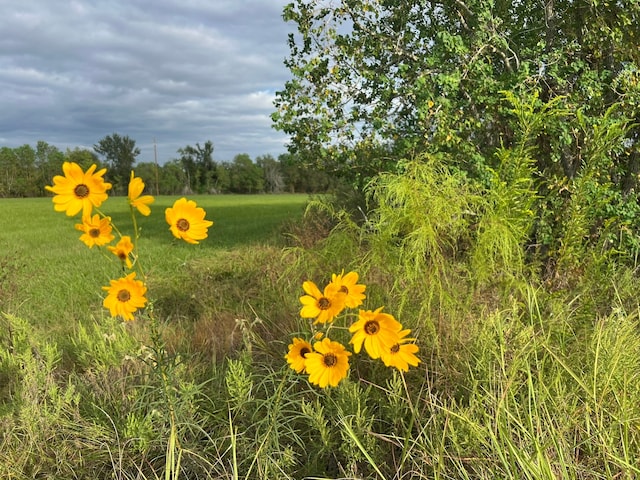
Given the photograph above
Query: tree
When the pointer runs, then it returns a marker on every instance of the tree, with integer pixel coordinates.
(245, 176)
(83, 157)
(172, 178)
(377, 82)
(48, 162)
(120, 154)
(414, 76)
(272, 174)
(199, 167)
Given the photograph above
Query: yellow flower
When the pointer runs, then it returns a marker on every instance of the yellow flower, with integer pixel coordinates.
(377, 331)
(322, 306)
(125, 296)
(78, 190)
(348, 284)
(296, 356)
(96, 230)
(186, 221)
(123, 250)
(401, 354)
(136, 187)
(328, 364)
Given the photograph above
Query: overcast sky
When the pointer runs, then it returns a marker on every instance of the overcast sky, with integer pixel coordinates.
(180, 71)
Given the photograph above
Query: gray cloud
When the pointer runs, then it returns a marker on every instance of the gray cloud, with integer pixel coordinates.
(181, 72)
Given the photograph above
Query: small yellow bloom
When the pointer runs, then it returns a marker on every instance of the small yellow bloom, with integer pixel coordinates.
(136, 187)
(323, 306)
(328, 364)
(348, 284)
(96, 230)
(78, 190)
(186, 221)
(296, 356)
(125, 296)
(123, 250)
(401, 354)
(376, 331)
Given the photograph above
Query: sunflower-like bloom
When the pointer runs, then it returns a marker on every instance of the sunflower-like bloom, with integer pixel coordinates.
(136, 187)
(78, 190)
(348, 284)
(328, 364)
(401, 354)
(125, 296)
(186, 221)
(96, 230)
(377, 331)
(123, 250)
(323, 306)
(296, 357)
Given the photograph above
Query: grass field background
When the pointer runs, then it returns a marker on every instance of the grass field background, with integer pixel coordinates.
(50, 277)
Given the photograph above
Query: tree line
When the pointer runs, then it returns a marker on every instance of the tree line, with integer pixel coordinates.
(25, 170)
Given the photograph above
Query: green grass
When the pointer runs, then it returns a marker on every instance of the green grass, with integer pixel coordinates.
(50, 277)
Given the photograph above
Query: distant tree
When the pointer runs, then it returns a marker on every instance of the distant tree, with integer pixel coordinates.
(20, 178)
(172, 178)
(272, 174)
(148, 172)
(223, 178)
(48, 162)
(10, 172)
(302, 177)
(199, 167)
(83, 157)
(246, 176)
(120, 154)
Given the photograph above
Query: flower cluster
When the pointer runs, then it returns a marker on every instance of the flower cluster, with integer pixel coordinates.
(79, 191)
(327, 361)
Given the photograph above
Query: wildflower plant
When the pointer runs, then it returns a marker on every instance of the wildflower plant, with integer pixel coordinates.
(79, 191)
(326, 361)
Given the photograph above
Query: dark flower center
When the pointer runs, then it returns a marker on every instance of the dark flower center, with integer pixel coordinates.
(182, 225)
(371, 327)
(395, 348)
(122, 256)
(124, 295)
(81, 191)
(324, 303)
(304, 351)
(329, 359)
(94, 232)
(344, 289)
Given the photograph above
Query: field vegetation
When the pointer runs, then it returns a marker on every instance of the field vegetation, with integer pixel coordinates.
(521, 376)
(488, 160)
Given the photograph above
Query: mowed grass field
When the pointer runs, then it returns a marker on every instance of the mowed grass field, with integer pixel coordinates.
(52, 279)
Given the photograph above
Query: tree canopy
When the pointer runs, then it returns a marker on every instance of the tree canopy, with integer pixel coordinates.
(120, 153)
(378, 80)
(504, 94)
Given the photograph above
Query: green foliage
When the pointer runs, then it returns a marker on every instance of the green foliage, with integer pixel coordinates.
(423, 213)
(120, 154)
(199, 168)
(102, 345)
(518, 379)
(374, 83)
(416, 76)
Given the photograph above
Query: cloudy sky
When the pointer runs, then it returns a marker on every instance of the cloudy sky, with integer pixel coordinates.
(180, 71)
